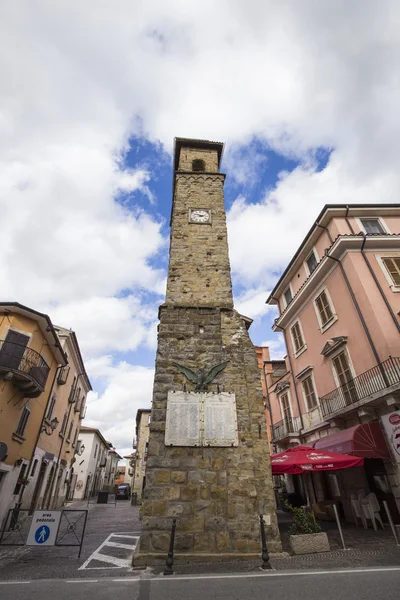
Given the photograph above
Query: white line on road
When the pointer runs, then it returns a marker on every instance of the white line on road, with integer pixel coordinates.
(12, 582)
(274, 574)
(112, 562)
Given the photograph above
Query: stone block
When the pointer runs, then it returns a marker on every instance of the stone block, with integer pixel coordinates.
(218, 492)
(222, 541)
(309, 543)
(222, 477)
(159, 541)
(178, 476)
(204, 492)
(184, 542)
(201, 543)
(159, 508)
(210, 477)
(196, 476)
(217, 463)
(161, 477)
(215, 523)
(189, 492)
(241, 545)
(176, 509)
(204, 463)
(147, 508)
(192, 524)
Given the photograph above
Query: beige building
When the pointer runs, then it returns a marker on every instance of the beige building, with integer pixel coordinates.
(31, 358)
(142, 440)
(52, 476)
(338, 388)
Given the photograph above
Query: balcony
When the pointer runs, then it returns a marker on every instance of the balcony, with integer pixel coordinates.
(63, 375)
(370, 386)
(286, 428)
(26, 367)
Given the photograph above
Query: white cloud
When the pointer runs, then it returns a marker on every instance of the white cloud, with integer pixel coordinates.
(277, 348)
(251, 303)
(126, 388)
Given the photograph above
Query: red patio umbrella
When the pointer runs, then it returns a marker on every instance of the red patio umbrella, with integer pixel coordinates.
(301, 459)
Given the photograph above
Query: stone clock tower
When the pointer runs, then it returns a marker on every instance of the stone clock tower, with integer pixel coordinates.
(207, 463)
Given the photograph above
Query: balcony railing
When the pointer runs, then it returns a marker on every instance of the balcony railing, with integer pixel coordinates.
(63, 375)
(284, 428)
(29, 368)
(375, 380)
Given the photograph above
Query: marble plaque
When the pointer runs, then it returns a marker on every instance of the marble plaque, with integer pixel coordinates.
(220, 420)
(201, 419)
(182, 426)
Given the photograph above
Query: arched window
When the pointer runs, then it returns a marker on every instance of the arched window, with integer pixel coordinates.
(198, 165)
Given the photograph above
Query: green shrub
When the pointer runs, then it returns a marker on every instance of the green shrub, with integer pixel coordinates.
(303, 522)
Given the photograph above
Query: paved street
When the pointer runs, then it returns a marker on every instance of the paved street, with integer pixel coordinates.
(358, 584)
(111, 535)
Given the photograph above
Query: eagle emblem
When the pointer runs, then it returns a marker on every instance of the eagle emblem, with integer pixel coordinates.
(203, 378)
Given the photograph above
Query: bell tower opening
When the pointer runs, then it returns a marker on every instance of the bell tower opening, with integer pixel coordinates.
(198, 165)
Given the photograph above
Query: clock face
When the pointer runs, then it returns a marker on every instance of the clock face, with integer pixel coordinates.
(200, 216)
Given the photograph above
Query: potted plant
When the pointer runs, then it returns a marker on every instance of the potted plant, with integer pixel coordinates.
(305, 534)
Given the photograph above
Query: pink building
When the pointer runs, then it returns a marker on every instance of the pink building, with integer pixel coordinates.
(339, 303)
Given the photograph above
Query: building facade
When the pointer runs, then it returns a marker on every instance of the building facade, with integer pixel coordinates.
(31, 358)
(52, 476)
(143, 416)
(339, 384)
(91, 465)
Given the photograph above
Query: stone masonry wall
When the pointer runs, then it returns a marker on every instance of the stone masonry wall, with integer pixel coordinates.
(216, 494)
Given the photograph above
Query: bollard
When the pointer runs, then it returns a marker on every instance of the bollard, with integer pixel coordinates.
(170, 558)
(389, 516)
(339, 525)
(264, 554)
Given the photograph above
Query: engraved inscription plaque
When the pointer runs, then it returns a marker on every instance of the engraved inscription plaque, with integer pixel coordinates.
(182, 426)
(201, 419)
(220, 420)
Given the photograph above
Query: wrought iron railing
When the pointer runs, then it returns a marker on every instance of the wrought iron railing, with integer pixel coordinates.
(283, 428)
(377, 379)
(20, 359)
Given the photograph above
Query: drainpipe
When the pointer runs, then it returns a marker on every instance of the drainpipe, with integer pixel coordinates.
(19, 503)
(268, 396)
(291, 370)
(357, 307)
(347, 219)
(53, 481)
(378, 285)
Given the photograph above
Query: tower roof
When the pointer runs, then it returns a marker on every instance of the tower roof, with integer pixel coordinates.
(191, 143)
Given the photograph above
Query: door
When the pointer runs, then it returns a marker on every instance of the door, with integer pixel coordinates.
(13, 350)
(38, 487)
(345, 377)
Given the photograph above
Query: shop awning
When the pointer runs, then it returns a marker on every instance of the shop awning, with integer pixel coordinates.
(303, 458)
(364, 440)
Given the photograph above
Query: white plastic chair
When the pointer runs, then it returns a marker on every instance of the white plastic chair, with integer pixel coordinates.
(357, 511)
(375, 508)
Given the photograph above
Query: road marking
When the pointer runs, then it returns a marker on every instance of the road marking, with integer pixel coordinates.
(273, 574)
(112, 562)
(13, 582)
(81, 580)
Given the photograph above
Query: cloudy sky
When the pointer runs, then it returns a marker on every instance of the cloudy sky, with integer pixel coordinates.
(305, 96)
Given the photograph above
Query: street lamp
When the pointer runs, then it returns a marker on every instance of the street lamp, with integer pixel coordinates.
(48, 428)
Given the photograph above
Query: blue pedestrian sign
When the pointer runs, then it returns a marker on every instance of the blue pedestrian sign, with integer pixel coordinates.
(44, 528)
(42, 533)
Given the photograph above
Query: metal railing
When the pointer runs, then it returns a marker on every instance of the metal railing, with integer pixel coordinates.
(20, 359)
(283, 428)
(377, 379)
(63, 375)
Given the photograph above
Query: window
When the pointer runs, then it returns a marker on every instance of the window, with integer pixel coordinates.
(75, 436)
(297, 337)
(69, 431)
(23, 421)
(345, 377)
(288, 296)
(198, 165)
(312, 262)
(324, 308)
(309, 393)
(285, 407)
(51, 407)
(34, 467)
(72, 390)
(372, 226)
(392, 265)
(95, 451)
(64, 423)
(20, 480)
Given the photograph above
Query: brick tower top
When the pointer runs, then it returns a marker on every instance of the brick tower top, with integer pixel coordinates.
(199, 269)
